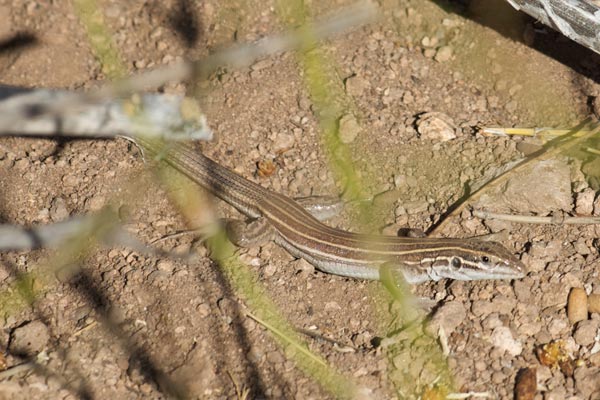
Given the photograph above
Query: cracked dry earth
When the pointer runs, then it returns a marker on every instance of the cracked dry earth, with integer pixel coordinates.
(131, 325)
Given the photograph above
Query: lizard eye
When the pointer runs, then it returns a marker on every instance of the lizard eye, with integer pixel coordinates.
(456, 263)
(485, 259)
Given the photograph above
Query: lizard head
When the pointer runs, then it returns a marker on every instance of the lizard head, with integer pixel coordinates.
(477, 261)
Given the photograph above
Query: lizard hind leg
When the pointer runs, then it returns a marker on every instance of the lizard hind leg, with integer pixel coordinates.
(254, 233)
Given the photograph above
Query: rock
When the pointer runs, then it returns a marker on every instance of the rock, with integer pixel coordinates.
(303, 267)
(58, 209)
(542, 189)
(596, 211)
(408, 98)
(559, 393)
(399, 211)
(415, 207)
(581, 247)
(443, 54)
(429, 53)
(22, 164)
(203, 310)
(356, 85)
(262, 64)
(577, 305)
(449, 317)
(436, 126)
(523, 290)
(348, 129)
(503, 304)
(429, 42)
(158, 278)
(585, 333)
(270, 269)
(594, 303)
(526, 384)
(491, 322)
(29, 339)
(557, 327)
(528, 148)
(482, 308)
(584, 203)
(587, 382)
(283, 142)
(95, 203)
(529, 328)
(502, 338)
(165, 265)
(595, 359)
(547, 251)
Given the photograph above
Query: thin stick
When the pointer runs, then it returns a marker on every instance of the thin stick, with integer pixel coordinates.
(592, 150)
(531, 219)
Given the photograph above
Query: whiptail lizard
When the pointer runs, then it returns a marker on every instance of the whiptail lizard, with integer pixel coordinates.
(334, 250)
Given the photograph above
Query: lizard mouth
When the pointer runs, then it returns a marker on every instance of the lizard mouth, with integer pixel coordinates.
(514, 270)
(505, 271)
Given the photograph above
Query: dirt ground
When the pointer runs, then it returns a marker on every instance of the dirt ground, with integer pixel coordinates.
(136, 326)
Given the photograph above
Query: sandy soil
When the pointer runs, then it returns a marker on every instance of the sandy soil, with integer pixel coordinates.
(135, 326)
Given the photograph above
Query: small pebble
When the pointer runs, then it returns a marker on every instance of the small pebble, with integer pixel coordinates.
(203, 310)
(528, 148)
(355, 86)
(577, 305)
(585, 333)
(557, 326)
(526, 386)
(596, 211)
(586, 382)
(443, 54)
(303, 267)
(503, 339)
(29, 339)
(429, 53)
(595, 359)
(349, 129)
(594, 303)
(408, 98)
(283, 142)
(22, 164)
(584, 203)
(165, 265)
(58, 209)
(262, 64)
(449, 316)
(436, 126)
(581, 247)
(95, 203)
(270, 269)
(415, 207)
